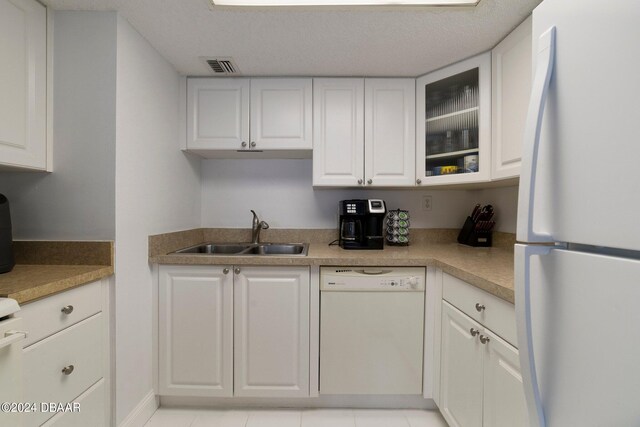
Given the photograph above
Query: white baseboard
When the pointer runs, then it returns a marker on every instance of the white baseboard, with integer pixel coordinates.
(326, 401)
(142, 412)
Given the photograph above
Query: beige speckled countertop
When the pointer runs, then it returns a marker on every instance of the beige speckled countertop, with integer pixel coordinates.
(490, 269)
(46, 268)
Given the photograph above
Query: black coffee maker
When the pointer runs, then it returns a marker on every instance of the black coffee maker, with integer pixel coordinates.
(361, 223)
(6, 241)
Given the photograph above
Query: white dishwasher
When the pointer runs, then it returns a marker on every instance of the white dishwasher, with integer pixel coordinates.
(371, 330)
(11, 340)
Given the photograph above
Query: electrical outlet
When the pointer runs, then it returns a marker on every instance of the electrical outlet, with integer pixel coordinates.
(426, 203)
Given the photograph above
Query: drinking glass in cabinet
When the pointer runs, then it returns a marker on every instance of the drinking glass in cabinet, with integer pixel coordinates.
(451, 123)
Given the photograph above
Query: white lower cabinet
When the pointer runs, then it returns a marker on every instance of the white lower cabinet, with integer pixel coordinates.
(67, 358)
(504, 404)
(480, 381)
(271, 346)
(234, 331)
(461, 370)
(196, 331)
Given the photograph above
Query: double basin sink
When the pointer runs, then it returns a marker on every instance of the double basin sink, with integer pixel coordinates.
(249, 249)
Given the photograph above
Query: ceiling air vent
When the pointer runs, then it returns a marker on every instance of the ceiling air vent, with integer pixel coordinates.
(222, 66)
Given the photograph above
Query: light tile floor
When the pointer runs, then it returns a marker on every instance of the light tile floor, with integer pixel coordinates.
(170, 417)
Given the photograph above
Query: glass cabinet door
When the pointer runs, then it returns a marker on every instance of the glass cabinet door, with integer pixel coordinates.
(452, 125)
(452, 107)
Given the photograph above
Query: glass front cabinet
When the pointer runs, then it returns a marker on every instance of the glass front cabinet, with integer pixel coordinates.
(453, 107)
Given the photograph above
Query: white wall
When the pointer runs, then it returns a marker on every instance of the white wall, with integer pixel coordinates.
(76, 201)
(157, 190)
(281, 192)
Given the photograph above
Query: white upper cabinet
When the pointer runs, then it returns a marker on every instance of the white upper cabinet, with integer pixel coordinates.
(364, 132)
(281, 117)
(23, 85)
(389, 133)
(511, 84)
(231, 115)
(338, 120)
(453, 113)
(218, 112)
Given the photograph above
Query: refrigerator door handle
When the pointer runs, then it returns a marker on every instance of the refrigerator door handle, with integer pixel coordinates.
(531, 141)
(523, 254)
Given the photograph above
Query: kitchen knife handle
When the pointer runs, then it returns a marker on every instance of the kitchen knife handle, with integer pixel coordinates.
(531, 141)
(475, 210)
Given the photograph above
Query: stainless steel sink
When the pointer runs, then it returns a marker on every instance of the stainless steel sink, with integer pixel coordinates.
(277, 249)
(249, 249)
(214, 249)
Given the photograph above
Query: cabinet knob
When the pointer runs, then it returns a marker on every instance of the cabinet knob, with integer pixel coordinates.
(67, 309)
(237, 270)
(244, 143)
(484, 339)
(474, 332)
(225, 271)
(369, 181)
(359, 181)
(253, 143)
(67, 370)
(418, 181)
(480, 307)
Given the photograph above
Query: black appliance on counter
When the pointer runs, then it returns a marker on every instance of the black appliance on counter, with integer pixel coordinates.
(6, 241)
(361, 223)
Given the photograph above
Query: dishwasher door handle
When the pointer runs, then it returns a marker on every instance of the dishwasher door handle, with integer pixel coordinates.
(11, 337)
(375, 272)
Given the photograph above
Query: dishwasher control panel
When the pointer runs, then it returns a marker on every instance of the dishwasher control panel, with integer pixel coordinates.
(372, 279)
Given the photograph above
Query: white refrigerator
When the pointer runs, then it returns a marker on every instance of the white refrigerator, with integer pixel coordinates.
(577, 268)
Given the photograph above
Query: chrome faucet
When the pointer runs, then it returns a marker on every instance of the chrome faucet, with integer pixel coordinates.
(256, 226)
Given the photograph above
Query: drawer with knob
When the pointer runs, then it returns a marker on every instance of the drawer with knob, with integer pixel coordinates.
(91, 410)
(47, 316)
(489, 310)
(61, 367)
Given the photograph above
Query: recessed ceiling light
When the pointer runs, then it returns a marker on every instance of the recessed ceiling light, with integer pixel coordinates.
(345, 2)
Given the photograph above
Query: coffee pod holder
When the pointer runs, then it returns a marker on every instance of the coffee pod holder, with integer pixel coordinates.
(471, 237)
(397, 227)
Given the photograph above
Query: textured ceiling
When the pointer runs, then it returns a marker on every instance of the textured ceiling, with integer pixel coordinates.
(321, 42)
